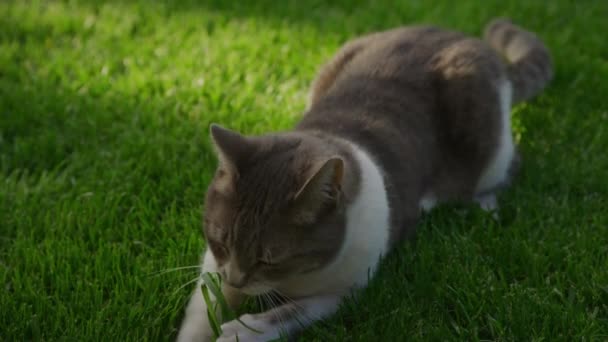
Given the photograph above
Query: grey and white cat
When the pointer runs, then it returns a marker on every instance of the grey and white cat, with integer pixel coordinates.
(398, 121)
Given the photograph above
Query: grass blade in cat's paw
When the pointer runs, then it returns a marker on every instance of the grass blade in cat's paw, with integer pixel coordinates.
(217, 330)
(213, 283)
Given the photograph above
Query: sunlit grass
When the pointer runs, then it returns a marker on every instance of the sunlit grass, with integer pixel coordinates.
(105, 156)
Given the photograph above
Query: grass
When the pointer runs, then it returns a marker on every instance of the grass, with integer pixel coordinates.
(104, 160)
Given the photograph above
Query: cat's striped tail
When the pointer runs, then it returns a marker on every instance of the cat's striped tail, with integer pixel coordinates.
(529, 63)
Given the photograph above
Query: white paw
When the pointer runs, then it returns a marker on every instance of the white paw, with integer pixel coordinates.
(264, 330)
(194, 331)
(489, 204)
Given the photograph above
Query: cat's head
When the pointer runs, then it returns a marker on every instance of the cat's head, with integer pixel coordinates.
(274, 208)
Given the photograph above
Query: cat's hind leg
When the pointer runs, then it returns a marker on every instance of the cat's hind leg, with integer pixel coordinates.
(499, 170)
(428, 202)
(487, 202)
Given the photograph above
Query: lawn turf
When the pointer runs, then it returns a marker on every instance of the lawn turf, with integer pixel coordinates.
(105, 157)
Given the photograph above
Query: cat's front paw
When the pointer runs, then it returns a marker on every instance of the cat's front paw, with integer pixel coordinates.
(258, 329)
(195, 329)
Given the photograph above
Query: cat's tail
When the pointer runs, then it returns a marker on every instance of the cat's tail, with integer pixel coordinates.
(529, 63)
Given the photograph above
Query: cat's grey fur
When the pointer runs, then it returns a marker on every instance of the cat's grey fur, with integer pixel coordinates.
(397, 121)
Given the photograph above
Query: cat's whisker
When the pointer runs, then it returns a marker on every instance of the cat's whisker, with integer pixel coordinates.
(174, 269)
(299, 310)
(268, 306)
(276, 311)
(289, 306)
(259, 301)
(301, 316)
(277, 295)
(184, 285)
(272, 305)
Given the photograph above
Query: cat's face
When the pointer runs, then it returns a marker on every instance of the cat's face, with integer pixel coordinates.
(273, 209)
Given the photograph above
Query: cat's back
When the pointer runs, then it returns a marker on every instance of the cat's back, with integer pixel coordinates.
(397, 94)
(405, 54)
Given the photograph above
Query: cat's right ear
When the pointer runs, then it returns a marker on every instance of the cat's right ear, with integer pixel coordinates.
(320, 192)
(231, 147)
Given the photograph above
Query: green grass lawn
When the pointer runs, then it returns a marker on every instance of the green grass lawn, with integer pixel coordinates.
(105, 157)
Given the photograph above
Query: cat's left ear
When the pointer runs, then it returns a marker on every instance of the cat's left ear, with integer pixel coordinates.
(321, 191)
(231, 147)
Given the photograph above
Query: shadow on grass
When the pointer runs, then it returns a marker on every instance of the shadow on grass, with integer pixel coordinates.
(64, 145)
(359, 16)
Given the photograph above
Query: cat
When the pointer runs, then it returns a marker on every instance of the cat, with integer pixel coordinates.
(397, 122)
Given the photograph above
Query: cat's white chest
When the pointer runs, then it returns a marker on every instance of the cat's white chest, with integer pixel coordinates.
(366, 239)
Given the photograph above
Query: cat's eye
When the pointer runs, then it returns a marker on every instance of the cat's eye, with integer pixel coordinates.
(266, 259)
(266, 262)
(219, 249)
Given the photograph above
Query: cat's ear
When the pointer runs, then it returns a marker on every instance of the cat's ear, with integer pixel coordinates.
(321, 191)
(231, 147)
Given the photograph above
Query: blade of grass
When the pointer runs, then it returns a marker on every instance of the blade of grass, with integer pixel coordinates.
(213, 283)
(217, 330)
(249, 327)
